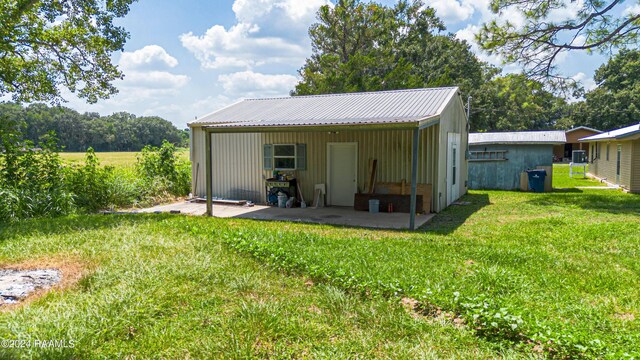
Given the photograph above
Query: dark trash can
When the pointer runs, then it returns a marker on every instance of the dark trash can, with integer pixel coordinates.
(536, 180)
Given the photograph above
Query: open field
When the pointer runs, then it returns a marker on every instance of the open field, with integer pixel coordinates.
(117, 159)
(509, 275)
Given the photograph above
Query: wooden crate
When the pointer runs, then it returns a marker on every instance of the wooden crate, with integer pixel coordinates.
(399, 189)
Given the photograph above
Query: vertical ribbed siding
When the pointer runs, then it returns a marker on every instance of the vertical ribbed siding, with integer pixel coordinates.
(237, 161)
(392, 149)
(635, 167)
(198, 186)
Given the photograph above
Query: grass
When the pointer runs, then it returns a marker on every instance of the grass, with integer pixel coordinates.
(116, 159)
(561, 179)
(162, 287)
(510, 274)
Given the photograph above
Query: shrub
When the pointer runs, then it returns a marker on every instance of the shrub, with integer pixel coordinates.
(163, 171)
(31, 179)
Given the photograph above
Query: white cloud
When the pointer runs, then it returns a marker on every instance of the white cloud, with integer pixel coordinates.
(586, 81)
(296, 10)
(252, 84)
(452, 11)
(266, 32)
(239, 47)
(631, 10)
(154, 79)
(150, 55)
(209, 104)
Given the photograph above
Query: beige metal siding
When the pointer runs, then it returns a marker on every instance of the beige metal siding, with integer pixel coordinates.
(607, 169)
(635, 167)
(452, 120)
(198, 186)
(392, 149)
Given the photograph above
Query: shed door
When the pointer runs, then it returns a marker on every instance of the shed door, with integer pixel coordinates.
(342, 164)
(453, 167)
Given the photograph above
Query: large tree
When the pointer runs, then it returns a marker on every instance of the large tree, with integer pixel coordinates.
(49, 44)
(516, 103)
(367, 47)
(615, 102)
(596, 26)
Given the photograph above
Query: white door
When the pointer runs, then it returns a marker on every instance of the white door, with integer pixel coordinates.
(453, 167)
(342, 164)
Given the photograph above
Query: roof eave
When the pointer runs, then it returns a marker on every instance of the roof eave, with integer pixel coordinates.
(294, 128)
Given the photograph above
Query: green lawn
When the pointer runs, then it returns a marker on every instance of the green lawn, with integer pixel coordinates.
(510, 274)
(117, 159)
(163, 287)
(561, 178)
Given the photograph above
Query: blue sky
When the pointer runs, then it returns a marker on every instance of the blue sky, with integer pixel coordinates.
(188, 58)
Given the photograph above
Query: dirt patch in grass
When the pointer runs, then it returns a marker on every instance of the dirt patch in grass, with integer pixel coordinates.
(71, 269)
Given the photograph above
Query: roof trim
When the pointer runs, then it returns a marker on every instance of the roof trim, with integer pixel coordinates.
(618, 134)
(408, 125)
(583, 128)
(553, 137)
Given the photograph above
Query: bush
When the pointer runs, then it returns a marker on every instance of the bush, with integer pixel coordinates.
(163, 172)
(31, 179)
(88, 183)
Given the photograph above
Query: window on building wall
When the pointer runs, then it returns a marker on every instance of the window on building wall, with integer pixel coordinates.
(491, 155)
(284, 156)
(607, 152)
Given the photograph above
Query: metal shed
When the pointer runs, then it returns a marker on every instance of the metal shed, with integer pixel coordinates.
(496, 160)
(417, 135)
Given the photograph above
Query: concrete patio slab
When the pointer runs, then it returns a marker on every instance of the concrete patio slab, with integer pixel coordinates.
(332, 215)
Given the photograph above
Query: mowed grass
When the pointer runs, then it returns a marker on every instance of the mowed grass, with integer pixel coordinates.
(561, 179)
(555, 272)
(163, 287)
(116, 159)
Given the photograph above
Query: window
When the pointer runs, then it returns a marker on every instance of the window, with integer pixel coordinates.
(607, 152)
(285, 156)
(493, 155)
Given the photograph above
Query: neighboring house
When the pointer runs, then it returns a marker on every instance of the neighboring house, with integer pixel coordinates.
(496, 160)
(615, 156)
(563, 152)
(332, 140)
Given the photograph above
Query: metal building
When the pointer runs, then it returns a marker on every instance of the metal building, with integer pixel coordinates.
(497, 160)
(418, 136)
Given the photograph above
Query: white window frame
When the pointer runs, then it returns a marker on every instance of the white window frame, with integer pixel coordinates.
(294, 157)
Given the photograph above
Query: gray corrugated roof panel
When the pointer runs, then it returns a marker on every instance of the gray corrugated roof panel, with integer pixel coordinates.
(381, 107)
(618, 134)
(583, 128)
(519, 137)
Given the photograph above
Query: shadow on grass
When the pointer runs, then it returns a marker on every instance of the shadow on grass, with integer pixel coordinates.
(454, 216)
(67, 224)
(607, 201)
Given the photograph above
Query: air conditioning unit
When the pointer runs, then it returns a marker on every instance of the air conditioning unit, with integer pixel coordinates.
(579, 157)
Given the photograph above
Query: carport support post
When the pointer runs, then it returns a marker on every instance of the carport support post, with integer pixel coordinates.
(414, 178)
(207, 170)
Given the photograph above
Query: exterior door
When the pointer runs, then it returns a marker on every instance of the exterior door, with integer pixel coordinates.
(453, 167)
(342, 167)
(618, 164)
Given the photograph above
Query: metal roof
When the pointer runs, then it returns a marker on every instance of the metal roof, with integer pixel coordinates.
(520, 137)
(618, 134)
(383, 107)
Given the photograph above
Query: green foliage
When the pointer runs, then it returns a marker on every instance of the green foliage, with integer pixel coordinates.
(596, 26)
(163, 170)
(90, 183)
(47, 45)
(31, 179)
(77, 132)
(515, 103)
(615, 103)
(369, 47)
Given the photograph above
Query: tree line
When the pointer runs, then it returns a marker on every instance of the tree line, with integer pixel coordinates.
(364, 46)
(77, 132)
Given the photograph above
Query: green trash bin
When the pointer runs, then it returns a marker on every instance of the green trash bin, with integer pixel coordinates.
(536, 180)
